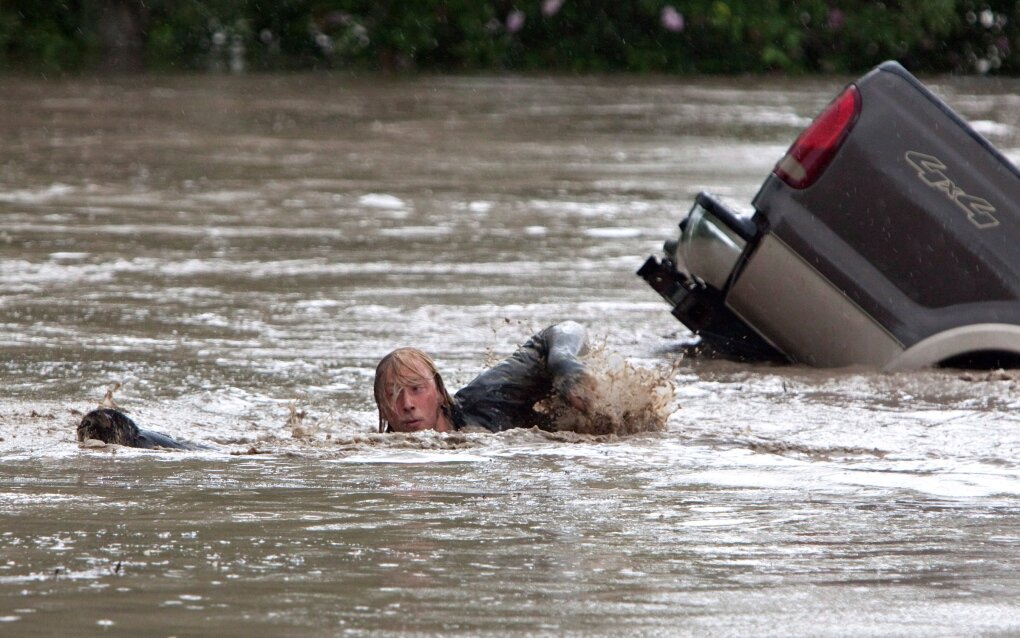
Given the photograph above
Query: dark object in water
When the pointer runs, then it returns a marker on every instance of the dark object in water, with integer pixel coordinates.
(111, 426)
(887, 237)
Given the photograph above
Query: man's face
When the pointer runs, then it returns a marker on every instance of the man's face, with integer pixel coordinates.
(416, 406)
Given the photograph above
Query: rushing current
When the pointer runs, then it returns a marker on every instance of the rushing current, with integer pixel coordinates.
(228, 258)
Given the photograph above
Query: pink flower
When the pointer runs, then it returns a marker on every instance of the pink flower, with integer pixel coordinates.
(551, 7)
(514, 21)
(671, 19)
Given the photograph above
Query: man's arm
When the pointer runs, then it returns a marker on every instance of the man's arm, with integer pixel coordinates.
(566, 342)
(503, 396)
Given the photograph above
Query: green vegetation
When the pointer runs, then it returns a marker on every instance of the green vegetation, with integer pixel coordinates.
(666, 36)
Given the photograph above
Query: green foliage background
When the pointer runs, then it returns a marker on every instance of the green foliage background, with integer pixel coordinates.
(717, 36)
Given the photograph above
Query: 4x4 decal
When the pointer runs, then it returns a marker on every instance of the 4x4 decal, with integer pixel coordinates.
(930, 169)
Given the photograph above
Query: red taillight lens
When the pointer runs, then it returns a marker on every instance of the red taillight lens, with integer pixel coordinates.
(817, 145)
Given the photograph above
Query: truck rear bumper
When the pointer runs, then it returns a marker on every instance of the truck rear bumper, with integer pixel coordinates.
(711, 242)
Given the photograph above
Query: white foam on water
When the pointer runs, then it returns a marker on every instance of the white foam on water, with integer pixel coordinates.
(416, 231)
(612, 233)
(208, 319)
(15, 499)
(992, 128)
(316, 305)
(415, 458)
(26, 196)
(949, 483)
(716, 522)
(226, 196)
(68, 256)
(607, 210)
(383, 201)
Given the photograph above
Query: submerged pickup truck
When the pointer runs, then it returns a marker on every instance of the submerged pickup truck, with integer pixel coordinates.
(887, 236)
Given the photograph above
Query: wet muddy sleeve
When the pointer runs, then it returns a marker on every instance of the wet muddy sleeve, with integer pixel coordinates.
(565, 343)
(503, 396)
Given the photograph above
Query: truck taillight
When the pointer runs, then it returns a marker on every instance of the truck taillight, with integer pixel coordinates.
(817, 145)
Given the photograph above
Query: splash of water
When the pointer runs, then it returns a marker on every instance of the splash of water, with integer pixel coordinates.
(627, 399)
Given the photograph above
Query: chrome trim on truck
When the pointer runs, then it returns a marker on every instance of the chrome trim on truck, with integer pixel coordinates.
(708, 249)
(803, 314)
(982, 337)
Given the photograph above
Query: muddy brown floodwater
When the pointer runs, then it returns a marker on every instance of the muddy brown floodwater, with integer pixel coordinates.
(237, 252)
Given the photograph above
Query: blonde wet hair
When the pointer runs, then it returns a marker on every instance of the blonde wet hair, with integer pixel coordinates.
(398, 370)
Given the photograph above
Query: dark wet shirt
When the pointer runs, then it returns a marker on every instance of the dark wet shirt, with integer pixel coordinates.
(503, 397)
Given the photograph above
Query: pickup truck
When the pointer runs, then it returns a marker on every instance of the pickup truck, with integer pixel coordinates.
(888, 236)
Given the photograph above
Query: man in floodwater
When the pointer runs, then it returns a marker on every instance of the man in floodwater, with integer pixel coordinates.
(411, 396)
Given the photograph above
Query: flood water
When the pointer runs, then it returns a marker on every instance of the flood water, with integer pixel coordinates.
(235, 250)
